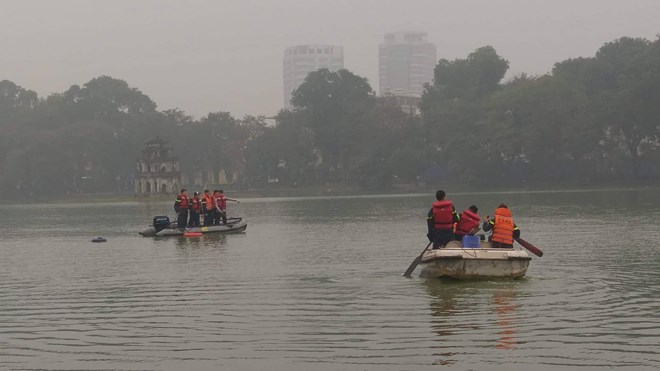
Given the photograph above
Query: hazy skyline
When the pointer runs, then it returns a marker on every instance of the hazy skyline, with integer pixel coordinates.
(207, 56)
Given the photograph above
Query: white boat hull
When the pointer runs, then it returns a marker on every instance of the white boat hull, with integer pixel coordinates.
(468, 263)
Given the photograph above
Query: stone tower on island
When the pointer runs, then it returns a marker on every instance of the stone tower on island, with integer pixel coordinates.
(157, 169)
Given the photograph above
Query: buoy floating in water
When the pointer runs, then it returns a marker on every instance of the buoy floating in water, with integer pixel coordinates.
(99, 239)
(192, 234)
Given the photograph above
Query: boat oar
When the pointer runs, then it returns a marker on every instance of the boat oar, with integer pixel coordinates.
(533, 249)
(415, 262)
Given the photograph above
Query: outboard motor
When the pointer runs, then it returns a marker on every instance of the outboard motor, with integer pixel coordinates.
(161, 222)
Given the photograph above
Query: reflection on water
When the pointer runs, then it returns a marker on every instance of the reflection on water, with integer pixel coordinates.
(460, 307)
(505, 310)
(316, 284)
(205, 240)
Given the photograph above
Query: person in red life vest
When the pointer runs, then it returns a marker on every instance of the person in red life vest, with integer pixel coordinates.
(208, 207)
(195, 210)
(221, 206)
(181, 206)
(217, 203)
(440, 221)
(468, 223)
(503, 227)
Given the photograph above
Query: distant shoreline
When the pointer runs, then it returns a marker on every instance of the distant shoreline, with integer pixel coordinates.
(339, 190)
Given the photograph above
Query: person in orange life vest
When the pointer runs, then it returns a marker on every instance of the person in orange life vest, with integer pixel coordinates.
(208, 207)
(181, 206)
(195, 210)
(503, 227)
(221, 206)
(440, 221)
(469, 220)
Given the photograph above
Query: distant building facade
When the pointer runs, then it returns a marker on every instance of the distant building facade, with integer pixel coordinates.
(406, 61)
(157, 169)
(207, 179)
(409, 102)
(300, 60)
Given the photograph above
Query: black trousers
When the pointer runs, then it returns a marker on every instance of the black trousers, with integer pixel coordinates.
(501, 245)
(219, 215)
(182, 220)
(194, 219)
(441, 237)
(209, 217)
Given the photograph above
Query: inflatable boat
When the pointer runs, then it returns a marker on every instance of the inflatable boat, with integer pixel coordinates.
(162, 227)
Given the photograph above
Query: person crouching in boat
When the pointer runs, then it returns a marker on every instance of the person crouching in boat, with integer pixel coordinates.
(503, 227)
(181, 205)
(195, 209)
(208, 207)
(468, 223)
(440, 221)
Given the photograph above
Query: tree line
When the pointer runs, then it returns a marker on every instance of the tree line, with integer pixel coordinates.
(594, 119)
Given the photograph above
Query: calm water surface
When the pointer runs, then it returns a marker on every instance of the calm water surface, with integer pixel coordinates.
(315, 284)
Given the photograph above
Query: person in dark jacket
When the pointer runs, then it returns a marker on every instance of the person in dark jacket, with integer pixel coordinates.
(440, 221)
(181, 205)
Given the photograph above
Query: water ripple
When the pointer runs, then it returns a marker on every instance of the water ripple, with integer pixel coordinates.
(316, 284)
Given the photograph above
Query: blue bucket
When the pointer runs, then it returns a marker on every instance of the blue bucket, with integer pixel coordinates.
(470, 242)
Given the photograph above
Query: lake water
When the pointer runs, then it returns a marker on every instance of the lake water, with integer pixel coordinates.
(315, 284)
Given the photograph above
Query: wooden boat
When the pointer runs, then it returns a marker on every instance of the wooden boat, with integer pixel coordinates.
(485, 261)
(162, 227)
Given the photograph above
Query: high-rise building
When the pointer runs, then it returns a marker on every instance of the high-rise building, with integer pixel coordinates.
(406, 63)
(300, 60)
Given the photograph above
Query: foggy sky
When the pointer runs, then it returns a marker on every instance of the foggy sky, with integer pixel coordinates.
(226, 55)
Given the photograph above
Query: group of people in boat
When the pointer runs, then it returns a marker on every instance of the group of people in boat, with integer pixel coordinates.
(445, 225)
(212, 205)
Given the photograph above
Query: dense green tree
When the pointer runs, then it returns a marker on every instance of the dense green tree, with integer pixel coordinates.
(334, 105)
(474, 77)
(452, 107)
(108, 98)
(591, 119)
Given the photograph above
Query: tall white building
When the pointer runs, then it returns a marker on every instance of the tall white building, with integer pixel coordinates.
(300, 60)
(406, 63)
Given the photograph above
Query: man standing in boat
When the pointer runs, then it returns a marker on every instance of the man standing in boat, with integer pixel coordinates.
(208, 207)
(181, 206)
(503, 227)
(221, 206)
(440, 221)
(468, 223)
(195, 210)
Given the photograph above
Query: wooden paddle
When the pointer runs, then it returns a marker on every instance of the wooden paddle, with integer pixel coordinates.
(415, 262)
(533, 249)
